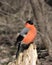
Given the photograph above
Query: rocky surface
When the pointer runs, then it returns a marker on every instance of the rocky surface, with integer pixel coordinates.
(28, 57)
(7, 55)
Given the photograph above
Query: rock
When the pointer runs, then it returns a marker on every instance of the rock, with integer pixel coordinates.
(28, 57)
(12, 63)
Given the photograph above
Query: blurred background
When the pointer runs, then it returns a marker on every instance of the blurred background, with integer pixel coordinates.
(13, 15)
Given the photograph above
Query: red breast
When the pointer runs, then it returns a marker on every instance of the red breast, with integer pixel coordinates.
(31, 35)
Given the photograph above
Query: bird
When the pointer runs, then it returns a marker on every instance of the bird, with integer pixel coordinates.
(26, 37)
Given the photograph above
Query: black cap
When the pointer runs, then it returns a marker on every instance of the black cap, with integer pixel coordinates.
(30, 22)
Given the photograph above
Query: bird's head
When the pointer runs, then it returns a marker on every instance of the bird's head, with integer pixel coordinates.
(29, 22)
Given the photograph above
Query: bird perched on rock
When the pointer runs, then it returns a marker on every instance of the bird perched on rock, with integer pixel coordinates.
(26, 37)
